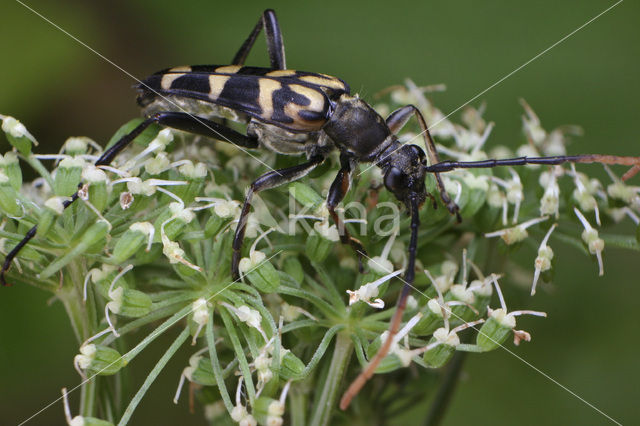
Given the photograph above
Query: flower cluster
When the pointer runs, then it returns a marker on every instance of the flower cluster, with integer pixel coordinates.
(146, 249)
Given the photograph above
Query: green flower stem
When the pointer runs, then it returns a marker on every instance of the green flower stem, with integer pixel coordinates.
(326, 401)
(446, 390)
(83, 321)
(299, 324)
(75, 311)
(16, 278)
(39, 168)
(88, 392)
(177, 297)
(153, 375)
(328, 283)
(298, 406)
(155, 333)
(324, 344)
(242, 359)
(323, 306)
(139, 322)
(250, 338)
(380, 316)
(266, 315)
(215, 364)
(359, 347)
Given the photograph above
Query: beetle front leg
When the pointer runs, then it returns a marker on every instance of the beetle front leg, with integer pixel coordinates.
(275, 46)
(337, 192)
(266, 181)
(396, 121)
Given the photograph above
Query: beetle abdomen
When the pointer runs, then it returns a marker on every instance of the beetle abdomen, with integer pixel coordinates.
(294, 100)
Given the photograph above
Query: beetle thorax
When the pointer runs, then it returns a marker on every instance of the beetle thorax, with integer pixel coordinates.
(357, 129)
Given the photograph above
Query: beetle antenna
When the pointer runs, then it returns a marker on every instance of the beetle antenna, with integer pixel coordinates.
(396, 320)
(446, 166)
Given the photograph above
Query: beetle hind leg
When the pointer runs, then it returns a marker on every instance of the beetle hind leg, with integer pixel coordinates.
(268, 180)
(275, 46)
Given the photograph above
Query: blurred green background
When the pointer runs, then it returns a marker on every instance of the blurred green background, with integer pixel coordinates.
(589, 343)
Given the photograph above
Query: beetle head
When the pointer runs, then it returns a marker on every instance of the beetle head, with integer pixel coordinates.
(404, 175)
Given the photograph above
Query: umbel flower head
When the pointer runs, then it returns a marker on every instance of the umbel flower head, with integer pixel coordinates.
(146, 248)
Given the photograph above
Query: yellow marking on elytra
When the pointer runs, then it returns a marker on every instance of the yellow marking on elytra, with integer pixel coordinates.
(281, 73)
(299, 123)
(316, 99)
(181, 68)
(265, 95)
(168, 79)
(323, 81)
(216, 84)
(228, 69)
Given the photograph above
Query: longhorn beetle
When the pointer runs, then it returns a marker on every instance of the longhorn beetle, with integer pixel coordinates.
(310, 114)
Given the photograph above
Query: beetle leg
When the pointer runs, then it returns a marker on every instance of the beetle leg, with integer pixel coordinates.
(175, 120)
(269, 22)
(267, 181)
(396, 120)
(337, 192)
(396, 319)
(180, 121)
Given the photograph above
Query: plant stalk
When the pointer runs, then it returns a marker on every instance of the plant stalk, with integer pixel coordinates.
(326, 400)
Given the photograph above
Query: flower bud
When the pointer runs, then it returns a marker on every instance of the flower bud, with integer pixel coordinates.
(475, 189)
(68, 176)
(173, 221)
(550, 201)
(103, 277)
(195, 176)
(620, 191)
(129, 302)
(99, 359)
(291, 367)
(8, 197)
(54, 207)
(431, 320)
(370, 290)
(223, 213)
(268, 411)
(260, 272)
(132, 241)
(10, 166)
(517, 233)
(321, 240)
(592, 239)
(199, 317)
(158, 164)
(482, 290)
(76, 145)
(464, 295)
(18, 135)
(496, 329)
(293, 267)
(305, 195)
(98, 190)
(89, 421)
(200, 371)
(242, 416)
(441, 353)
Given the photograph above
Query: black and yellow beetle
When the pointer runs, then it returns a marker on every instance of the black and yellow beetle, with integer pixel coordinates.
(303, 113)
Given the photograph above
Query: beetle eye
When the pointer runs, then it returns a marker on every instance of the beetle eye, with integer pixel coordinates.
(395, 179)
(418, 152)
